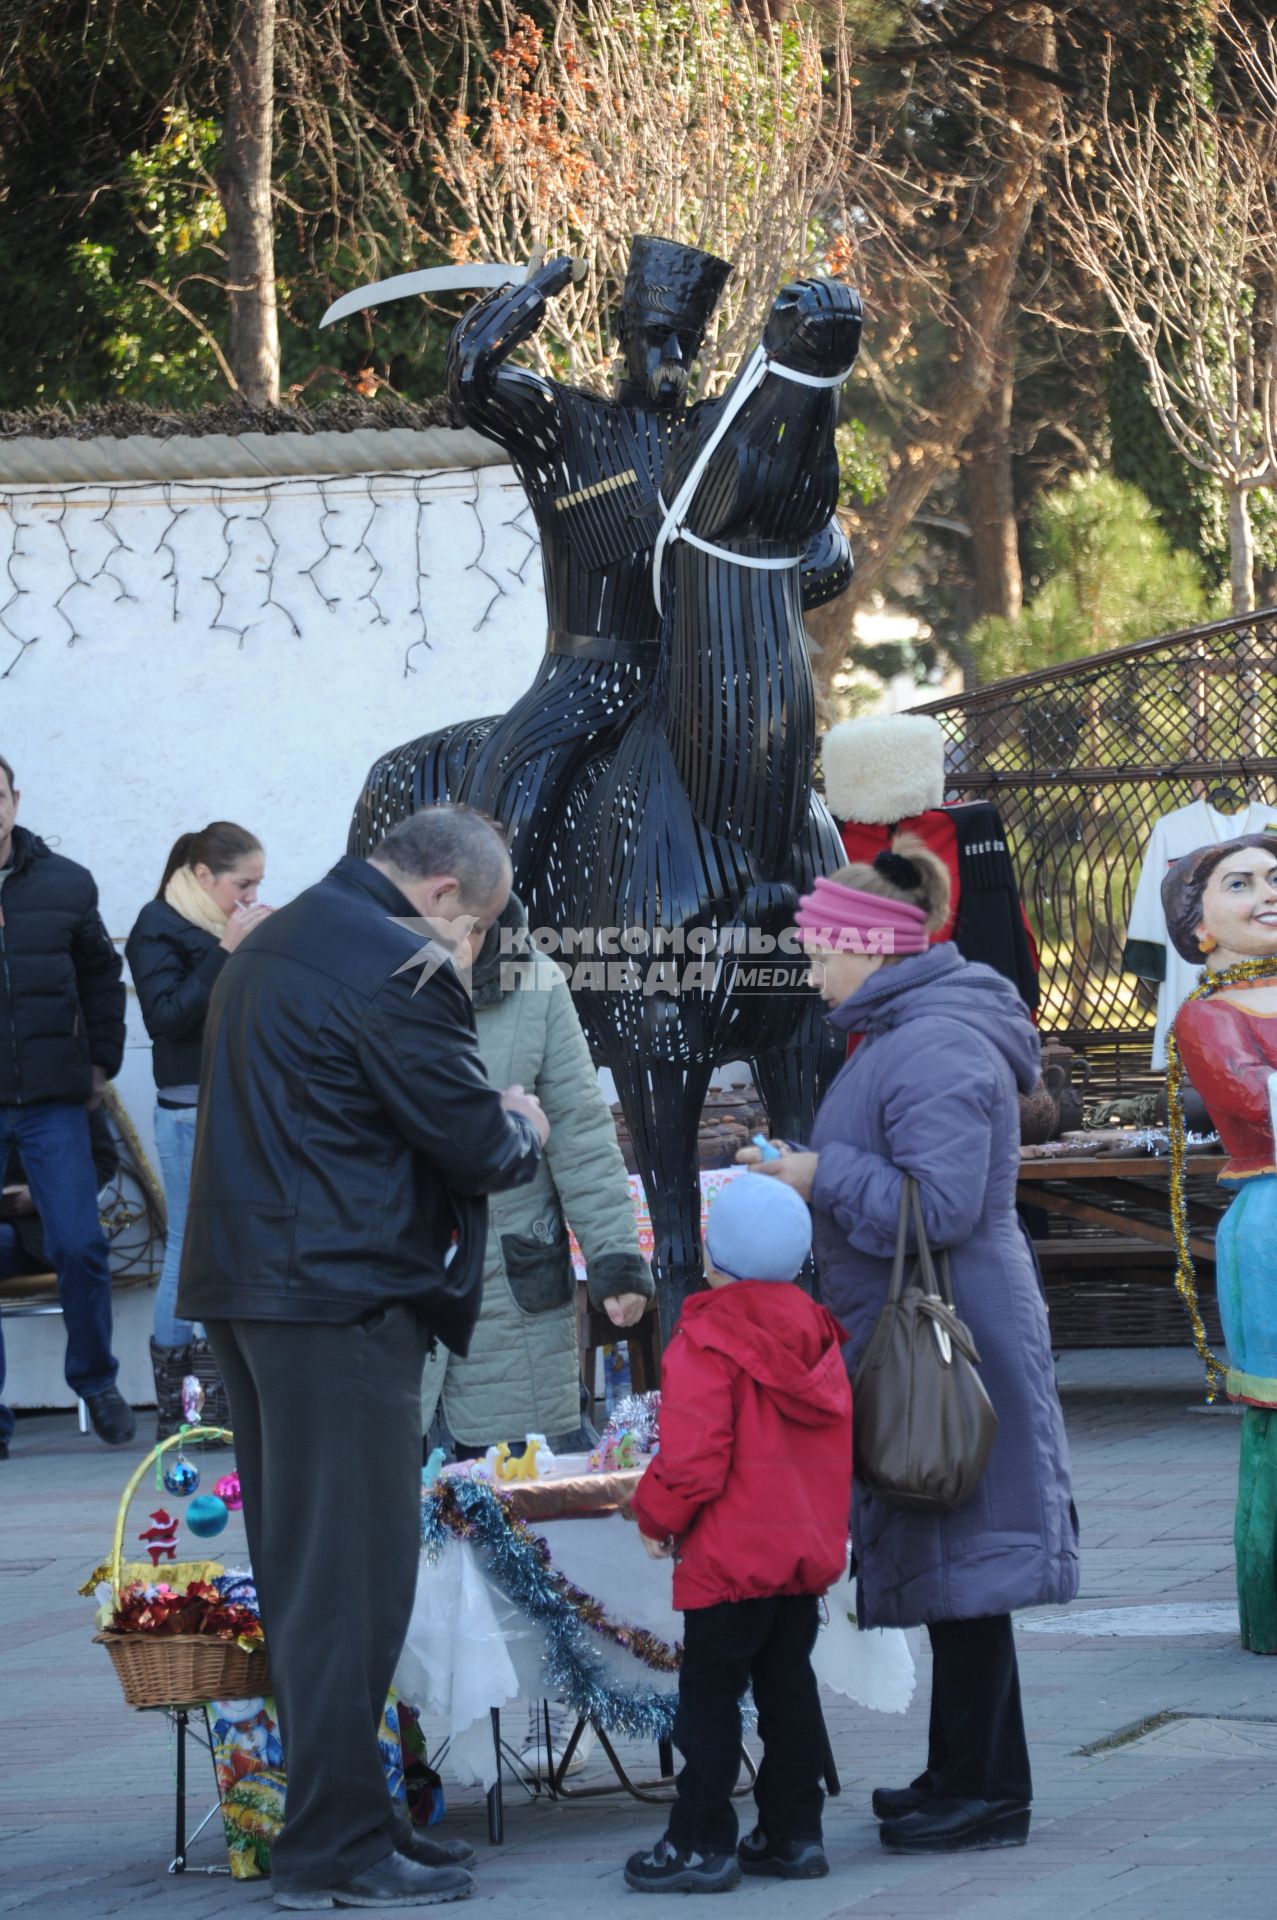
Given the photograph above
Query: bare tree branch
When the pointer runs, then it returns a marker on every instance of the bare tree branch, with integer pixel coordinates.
(620, 118)
(1170, 206)
(209, 339)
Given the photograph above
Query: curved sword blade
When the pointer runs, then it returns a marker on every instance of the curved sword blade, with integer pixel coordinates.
(478, 273)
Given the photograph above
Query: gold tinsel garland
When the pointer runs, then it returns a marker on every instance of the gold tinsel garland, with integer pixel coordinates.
(1185, 1272)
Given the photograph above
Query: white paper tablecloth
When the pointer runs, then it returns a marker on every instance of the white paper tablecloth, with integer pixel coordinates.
(469, 1650)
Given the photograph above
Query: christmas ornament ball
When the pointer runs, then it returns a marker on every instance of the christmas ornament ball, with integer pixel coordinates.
(181, 1479)
(206, 1515)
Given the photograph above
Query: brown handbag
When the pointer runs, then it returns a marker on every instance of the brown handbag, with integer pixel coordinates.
(923, 1424)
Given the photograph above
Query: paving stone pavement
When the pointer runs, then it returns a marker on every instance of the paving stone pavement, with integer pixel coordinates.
(1179, 1823)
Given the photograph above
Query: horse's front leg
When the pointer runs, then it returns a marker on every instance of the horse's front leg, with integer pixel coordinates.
(793, 1078)
(662, 1103)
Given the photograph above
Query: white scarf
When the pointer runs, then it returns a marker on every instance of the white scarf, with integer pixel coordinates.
(186, 896)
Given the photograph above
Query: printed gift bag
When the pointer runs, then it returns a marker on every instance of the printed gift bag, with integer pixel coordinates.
(248, 1759)
(249, 1763)
(422, 1784)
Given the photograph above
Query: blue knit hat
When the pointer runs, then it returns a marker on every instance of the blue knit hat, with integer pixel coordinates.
(757, 1229)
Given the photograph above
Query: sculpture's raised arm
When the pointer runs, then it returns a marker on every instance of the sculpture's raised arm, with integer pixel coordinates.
(511, 405)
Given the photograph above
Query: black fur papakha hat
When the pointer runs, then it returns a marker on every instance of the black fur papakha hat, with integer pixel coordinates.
(666, 281)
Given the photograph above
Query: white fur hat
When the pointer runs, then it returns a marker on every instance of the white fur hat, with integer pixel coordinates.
(884, 768)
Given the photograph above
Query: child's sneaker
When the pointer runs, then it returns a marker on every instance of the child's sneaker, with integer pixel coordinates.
(782, 1859)
(667, 1869)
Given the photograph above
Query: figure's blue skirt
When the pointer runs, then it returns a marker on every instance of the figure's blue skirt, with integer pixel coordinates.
(1246, 1282)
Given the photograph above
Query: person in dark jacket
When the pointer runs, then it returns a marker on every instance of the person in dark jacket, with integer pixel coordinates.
(346, 1137)
(61, 1040)
(206, 904)
(749, 1492)
(932, 1092)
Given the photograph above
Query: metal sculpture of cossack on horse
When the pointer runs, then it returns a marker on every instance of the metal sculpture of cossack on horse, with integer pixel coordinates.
(592, 468)
(657, 777)
(702, 822)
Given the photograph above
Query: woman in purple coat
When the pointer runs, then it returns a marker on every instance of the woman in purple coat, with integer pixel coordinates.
(931, 1090)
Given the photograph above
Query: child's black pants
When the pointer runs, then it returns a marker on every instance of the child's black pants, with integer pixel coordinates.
(728, 1648)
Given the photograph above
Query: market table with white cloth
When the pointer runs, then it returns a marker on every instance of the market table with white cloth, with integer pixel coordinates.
(472, 1650)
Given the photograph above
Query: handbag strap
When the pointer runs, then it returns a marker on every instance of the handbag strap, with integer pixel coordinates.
(936, 1277)
(907, 1185)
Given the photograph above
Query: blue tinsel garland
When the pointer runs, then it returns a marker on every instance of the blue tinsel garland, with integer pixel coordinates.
(574, 1670)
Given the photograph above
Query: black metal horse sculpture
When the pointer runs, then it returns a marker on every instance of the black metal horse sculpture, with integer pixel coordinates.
(672, 795)
(701, 824)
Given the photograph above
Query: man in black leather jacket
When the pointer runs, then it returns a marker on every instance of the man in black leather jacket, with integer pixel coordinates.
(347, 1135)
(61, 1040)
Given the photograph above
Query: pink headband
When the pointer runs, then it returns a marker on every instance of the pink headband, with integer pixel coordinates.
(848, 921)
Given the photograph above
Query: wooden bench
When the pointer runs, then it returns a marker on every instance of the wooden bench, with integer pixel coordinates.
(29, 1296)
(26, 1296)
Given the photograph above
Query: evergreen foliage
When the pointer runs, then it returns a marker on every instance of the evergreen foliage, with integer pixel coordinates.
(1108, 576)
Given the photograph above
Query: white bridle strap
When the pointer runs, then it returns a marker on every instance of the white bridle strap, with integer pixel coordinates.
(775, 565)
(751, 377)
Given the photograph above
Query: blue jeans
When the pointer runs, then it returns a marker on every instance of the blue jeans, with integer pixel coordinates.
(53, 1142)
(175, 1144)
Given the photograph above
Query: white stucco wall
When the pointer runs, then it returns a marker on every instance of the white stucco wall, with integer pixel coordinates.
(317, 624)
(173, 653)
(179, 650)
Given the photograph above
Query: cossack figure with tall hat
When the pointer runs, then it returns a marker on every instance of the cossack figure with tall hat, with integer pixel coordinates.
(592, 468)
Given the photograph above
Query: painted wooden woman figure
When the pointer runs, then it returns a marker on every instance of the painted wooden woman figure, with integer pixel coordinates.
(1221, 909)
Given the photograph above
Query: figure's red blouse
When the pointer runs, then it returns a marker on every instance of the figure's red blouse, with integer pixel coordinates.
(1229, 1054)
(863, 840)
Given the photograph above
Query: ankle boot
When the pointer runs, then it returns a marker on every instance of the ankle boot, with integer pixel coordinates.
(168, 1365)
(217, 1407)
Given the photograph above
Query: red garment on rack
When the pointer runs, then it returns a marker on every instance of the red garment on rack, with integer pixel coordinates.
(986, 919)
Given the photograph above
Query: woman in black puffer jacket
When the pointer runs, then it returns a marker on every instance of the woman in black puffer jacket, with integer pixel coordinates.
(206, 904)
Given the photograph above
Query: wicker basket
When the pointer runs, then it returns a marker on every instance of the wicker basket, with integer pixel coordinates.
(184, 1669)
(179, 1669)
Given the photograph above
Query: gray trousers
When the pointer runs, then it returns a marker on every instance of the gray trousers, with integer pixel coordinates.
(327, 1425)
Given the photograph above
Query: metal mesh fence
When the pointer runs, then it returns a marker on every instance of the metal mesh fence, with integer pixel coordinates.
(1081, 762)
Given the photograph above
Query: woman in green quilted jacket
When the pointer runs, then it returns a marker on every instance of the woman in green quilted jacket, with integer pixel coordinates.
(522, 1374)
(523, 1371)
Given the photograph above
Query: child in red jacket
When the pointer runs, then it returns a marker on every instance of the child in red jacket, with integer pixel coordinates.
(750, 1495)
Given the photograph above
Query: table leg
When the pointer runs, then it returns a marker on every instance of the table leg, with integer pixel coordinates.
(496, 1806)
(179, 1851)
(557, 1774)
(833, 1785)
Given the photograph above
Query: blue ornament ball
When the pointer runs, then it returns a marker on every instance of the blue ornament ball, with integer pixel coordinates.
(207, 1515)
(181, 1479)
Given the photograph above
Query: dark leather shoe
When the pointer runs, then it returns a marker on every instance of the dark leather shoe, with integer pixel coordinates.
(395, 1881)
(891, 1803)
(111, 1416)
(782, 1859)
(437, 1853)
(958, 1826)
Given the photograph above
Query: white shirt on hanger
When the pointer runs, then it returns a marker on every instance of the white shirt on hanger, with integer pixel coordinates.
(1178, 833)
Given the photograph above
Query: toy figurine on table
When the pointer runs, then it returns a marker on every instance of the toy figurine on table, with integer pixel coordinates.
(615, 1453)
(1221, 909)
